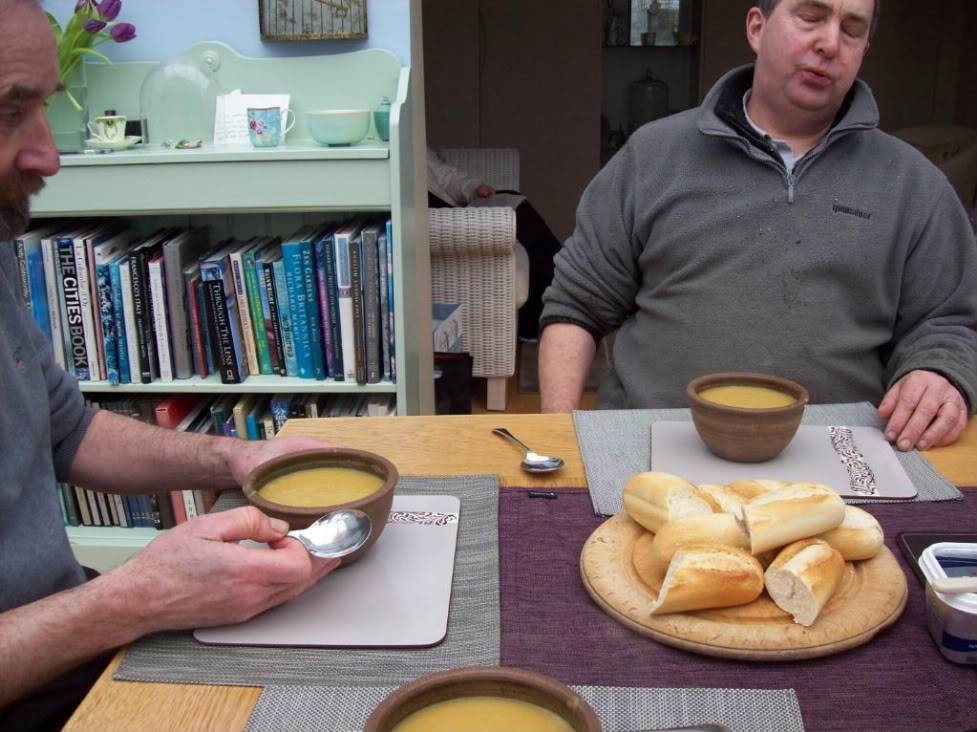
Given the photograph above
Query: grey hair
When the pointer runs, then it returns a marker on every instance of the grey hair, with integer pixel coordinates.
(767, 7)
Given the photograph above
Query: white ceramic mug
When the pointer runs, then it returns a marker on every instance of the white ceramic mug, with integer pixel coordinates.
(108, 128)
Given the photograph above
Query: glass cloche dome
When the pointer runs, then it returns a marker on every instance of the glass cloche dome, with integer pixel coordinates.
(178, 101)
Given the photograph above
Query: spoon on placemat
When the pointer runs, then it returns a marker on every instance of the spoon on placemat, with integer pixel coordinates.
(337, 534)
(533, 462)
(954, 585)
(694, 728)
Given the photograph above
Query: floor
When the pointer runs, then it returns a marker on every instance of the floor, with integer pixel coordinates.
(518, 402)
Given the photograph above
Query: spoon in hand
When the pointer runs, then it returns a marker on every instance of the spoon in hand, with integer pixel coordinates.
(337, 534)
(533, 462)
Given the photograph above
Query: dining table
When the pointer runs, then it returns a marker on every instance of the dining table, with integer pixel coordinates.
(448, 445)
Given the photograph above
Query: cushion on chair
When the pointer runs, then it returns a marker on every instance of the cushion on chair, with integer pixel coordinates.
(522, 275)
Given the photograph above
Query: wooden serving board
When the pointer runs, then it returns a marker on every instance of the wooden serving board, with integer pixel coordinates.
(870, 597)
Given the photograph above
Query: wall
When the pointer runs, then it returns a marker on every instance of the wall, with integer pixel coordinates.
(921, 63)
(167, 29)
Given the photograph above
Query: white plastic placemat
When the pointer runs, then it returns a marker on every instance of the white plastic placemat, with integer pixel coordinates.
(856, 462)
(397, 594)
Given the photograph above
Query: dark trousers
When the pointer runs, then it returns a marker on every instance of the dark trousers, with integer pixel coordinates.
(541, 245)
(49, 707)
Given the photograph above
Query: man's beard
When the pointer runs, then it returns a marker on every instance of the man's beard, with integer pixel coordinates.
(15, 213)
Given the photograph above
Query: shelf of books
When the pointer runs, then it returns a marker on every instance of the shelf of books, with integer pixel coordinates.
(227, 287)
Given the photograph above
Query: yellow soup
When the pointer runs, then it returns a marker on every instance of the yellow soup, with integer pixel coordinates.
(320, 487)
(483, 714)
(750, 397)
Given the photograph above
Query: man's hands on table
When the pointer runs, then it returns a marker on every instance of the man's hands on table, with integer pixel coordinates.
(923, 410)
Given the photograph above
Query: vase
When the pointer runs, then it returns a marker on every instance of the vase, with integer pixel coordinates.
(67, 113)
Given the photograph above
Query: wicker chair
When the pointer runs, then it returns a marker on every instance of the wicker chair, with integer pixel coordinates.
(474, 256)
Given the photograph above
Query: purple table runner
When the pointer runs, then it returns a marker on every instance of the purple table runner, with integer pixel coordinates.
(897, 681)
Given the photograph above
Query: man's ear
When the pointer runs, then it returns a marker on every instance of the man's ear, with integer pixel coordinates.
(755, 21)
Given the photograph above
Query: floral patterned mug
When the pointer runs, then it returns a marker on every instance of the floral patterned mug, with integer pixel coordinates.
(265, 125)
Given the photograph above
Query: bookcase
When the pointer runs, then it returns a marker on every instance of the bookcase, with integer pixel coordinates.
(244, 191)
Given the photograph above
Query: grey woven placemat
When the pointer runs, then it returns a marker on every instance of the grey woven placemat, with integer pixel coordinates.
(615, 444)
(473, 620)
(314, 708)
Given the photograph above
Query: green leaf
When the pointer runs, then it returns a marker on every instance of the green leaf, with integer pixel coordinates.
(91, 52)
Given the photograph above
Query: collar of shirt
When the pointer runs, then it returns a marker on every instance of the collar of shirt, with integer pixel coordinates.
(782, 147)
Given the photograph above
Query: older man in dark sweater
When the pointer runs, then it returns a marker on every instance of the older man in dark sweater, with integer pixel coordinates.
(53, 622)
(774, 229)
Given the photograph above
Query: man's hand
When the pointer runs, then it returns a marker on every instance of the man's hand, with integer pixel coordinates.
(484, 191)
(197, 575)
(924, 410)
(247, 455)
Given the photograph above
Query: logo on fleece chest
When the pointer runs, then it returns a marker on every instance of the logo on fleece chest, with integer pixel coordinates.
(838, 207)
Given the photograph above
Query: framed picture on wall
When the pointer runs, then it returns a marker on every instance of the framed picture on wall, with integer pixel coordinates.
(310, 20)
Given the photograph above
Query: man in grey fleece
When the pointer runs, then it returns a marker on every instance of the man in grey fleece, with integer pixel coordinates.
(774, 229)
(54, 626)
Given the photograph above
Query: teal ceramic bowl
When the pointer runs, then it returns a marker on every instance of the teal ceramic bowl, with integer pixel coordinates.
(338, 126)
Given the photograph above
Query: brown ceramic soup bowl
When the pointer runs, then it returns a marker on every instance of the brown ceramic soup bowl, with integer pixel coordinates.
(376, 505)
(497, 681)
(746, 434)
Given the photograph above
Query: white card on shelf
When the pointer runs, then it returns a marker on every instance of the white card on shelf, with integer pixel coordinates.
(231, 119)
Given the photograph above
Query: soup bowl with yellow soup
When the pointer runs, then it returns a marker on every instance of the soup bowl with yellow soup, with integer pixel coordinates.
(483, 699)
(746, 417)
(301, 487)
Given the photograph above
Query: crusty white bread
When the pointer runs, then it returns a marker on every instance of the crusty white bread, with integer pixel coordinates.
(730, 498)
(803, 577)
(858, 537)
(799, 511)
(701, 576)
(653, 499)
(712, 528)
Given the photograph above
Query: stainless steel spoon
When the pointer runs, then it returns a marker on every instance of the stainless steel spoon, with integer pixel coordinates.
(533, 462)
(337, 534)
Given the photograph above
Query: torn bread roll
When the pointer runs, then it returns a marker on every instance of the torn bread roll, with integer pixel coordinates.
(858, 537)
(712, 528)
(803, 578)
(799, 511)
(730, 498)
(653, 499)
(702, 576)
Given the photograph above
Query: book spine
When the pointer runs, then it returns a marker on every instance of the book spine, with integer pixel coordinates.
(356, 293)
(371, 305)
(57, 338)
(140, 311)
(269, 311)
(345, 302)
(35, 277)
(322, 292)
(295, 283)
(189, 504)
(206, 329)
(23, 279)
(118, 322)
(332, 293)
(221, 331)
(176, 305)
(312, 312)
(70, 504)
(285, 318)
(244, 313)
(391, 301)
(72, 317)
(259, 332)
(81, 501)
(177, 506)
(384, 305)
(96, 312)
(196, 328)
(87, 315)
(106, 311)
(129, 319)
(120, 510)
(161, 328)
(233, 317)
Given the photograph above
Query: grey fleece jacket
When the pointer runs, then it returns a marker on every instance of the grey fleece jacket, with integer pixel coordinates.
(708, 256)
(42, 421)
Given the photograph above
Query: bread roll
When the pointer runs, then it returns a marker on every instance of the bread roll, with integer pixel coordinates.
(712, 528)
(858, 537)
(708, 575)
(653, 499)
(799, 511)
(803, 577)
(730, 498)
